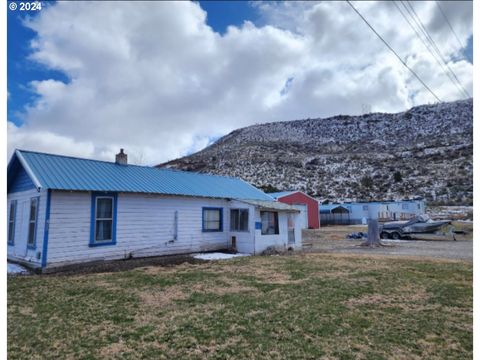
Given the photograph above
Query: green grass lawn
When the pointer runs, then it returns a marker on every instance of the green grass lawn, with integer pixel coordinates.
(295, 307)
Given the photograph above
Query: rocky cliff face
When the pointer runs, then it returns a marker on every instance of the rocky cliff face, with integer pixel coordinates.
(426, 151)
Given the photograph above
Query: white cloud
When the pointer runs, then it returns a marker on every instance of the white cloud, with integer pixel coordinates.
(155, 79)
(45, 141)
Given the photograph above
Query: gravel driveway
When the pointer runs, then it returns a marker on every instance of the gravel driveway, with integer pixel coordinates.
(442, 249)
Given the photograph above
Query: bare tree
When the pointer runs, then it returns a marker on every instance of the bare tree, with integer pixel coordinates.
(138, 157)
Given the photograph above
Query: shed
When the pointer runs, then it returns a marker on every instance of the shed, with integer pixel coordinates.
(300, 198)
(64, 210)
(334, 214)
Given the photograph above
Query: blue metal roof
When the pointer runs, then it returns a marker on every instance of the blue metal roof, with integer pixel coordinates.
(68, 173)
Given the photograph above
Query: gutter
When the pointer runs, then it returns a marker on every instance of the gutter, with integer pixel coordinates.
(28, 170)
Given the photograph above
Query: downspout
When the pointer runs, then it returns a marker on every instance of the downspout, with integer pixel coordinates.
(254, 232)
(46, 230)
(28, 170)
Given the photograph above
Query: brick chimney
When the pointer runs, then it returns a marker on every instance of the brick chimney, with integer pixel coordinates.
(121, 158)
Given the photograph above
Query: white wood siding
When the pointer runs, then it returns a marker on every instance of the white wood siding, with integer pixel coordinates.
(279, 241)
(145, 227)
(245, 240)
(19, 251)
(303, 215)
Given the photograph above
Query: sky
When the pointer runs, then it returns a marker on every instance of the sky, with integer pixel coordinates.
(165, 79)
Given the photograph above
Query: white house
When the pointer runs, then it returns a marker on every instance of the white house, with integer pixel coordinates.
(64, 210)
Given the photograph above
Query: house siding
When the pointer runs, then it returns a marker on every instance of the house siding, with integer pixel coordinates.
(383, 211)
(278, 241)
(19, 251)
(245, 239)
(145, 227)
(22, 182)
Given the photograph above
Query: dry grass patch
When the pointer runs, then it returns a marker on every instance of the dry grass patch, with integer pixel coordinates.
(113, 350)
(162, 297)
(320, 306)
(231, 288)
(404, 296)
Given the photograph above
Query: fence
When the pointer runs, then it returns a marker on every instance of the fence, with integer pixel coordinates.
(335, 219)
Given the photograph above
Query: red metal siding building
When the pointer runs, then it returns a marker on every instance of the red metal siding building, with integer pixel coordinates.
(300, 198)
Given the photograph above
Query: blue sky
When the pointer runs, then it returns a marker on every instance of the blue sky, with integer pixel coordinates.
(221, 14)
(205, 81)
(21, 70)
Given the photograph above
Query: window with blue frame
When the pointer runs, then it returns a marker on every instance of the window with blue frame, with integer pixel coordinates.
(11, 222)
(103, 226)
(32, 223)
(212, 219)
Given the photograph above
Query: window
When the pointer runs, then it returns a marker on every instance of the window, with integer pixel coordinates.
(32, 223)
(405, 206)
(212, 219)
(418, 206)
(269, 222)
(103, 226)
(11, 222)
(104, 219)
(365, 207)
(239, 220)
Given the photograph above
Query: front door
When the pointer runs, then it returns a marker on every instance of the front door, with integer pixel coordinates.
(291, 229)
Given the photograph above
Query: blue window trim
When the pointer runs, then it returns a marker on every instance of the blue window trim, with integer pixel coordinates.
(12, 243)
(34, 245)
(46, 229)
(203, 219)
(92, 242)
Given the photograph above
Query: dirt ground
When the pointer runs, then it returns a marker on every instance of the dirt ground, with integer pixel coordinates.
(332, 239)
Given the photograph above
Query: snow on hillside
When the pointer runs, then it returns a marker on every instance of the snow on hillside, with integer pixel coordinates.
(425, 151)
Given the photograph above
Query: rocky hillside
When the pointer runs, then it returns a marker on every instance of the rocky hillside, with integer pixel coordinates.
(425, 151)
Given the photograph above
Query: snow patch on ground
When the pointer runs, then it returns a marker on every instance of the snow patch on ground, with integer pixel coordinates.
(393, 240)
(217, 256)
(16, 269)
(403, 241)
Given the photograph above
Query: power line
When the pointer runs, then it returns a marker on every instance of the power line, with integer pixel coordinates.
(442, 64)
(424, 30)
(428, 47)
(392, 50)
(448, 22)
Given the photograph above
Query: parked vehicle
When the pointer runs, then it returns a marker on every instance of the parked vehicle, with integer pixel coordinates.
(421, 224)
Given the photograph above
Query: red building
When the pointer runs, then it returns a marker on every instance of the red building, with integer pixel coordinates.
(300, 198)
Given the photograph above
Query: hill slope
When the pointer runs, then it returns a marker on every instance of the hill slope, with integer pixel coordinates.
(425, 151)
